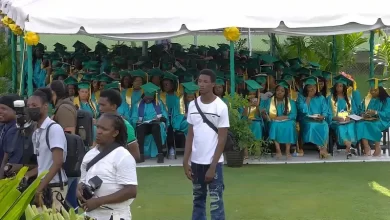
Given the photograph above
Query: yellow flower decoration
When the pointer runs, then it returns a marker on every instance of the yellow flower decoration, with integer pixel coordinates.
(31, 38)
(7, 21)
(16, 29)
(231, 33)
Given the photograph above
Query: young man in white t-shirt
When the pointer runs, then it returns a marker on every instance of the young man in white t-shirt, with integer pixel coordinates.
(205, 146)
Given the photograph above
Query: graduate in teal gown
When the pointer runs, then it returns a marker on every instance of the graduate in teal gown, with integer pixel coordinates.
(155, 75)
(170, 95)
(123, 109)
(102, 80)
(179, 121)
(282, 114)
(149, 117)
(133, 95)
(39, 67)
(71, 85)
(59, 74)
(83, 101)
(312, 112)
(340, 107)
(351, 89)
(252, 112)
(220, 88)
(375, 110)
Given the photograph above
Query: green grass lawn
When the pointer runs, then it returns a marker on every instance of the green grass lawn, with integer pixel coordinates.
(272, 192)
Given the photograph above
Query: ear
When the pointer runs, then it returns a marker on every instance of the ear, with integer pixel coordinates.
(116, 132)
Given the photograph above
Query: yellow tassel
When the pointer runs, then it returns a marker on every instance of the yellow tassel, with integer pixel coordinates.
(375, 84)
(331, 79)
(268, 83)
(156, 98)
(318, 86)
(354, 86)
(178, 88)
(258, 97)
(290, 92)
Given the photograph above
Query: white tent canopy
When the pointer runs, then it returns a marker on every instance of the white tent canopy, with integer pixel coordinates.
(152, 19)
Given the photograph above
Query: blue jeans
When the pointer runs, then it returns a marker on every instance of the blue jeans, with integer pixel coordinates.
(216, 188)
(71, 197)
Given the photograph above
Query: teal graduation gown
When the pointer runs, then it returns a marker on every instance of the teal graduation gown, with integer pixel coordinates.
(283, 132)
(150, 147)
(39, 75)
(86, 107)
(256, 122)
(372, 130)
(179, 121)
(344, 132)
(316, 132)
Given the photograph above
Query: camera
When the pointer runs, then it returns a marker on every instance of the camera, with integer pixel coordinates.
(89, 190)
(22, 121)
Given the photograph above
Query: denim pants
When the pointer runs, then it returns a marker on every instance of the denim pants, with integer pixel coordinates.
(71, 196)
(216, 188)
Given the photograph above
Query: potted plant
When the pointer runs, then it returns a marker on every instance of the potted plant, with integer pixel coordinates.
(240, 133)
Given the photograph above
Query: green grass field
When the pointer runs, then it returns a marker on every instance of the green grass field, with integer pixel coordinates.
(272, 192)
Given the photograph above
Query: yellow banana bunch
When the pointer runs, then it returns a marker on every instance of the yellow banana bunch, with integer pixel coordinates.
(51, 214)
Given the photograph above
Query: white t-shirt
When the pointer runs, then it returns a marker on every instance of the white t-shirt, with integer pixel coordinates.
(57, 139)
(115, 170)
(206, 139)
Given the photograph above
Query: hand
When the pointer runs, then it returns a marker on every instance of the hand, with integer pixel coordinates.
(79, 193)
(347, 119)
(94, 121)
(38, 199)
(263, 112)
(156, 119)
(210, 174)
(187, 170)
(91, 204)
(320, 118)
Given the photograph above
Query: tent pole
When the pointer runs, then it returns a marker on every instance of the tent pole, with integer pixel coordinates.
(22, 89)
(372, 36)
(14, 64)
(30, 71)
(250, 42)
(232, 69)
(334, 55)
(144, 48)
(196, 40)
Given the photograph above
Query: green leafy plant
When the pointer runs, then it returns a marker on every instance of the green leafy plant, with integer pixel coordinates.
(320, 49)
(240, 44)
(240, 127)
(382, 51)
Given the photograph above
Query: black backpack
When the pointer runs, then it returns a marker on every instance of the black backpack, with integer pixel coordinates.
(84, 126)
(75, 153)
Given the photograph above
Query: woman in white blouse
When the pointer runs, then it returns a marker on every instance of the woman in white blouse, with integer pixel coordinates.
(116, 170)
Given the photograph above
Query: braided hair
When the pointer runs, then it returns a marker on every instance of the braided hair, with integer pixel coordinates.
(119, 124)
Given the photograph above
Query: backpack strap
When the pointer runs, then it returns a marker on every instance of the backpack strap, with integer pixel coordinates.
(48, 145)
(205, 119)
(102, 154)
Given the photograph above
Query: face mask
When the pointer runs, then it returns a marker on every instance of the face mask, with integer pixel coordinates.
(34, 113)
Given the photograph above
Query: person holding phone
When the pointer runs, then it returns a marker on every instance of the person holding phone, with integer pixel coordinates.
(312, 110)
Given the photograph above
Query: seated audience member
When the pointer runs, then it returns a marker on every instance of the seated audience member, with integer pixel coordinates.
(65, 113)
(375, 110)
(109, 101)
(51, 153)
(10, 149)
(115, 172)
(150, 117)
